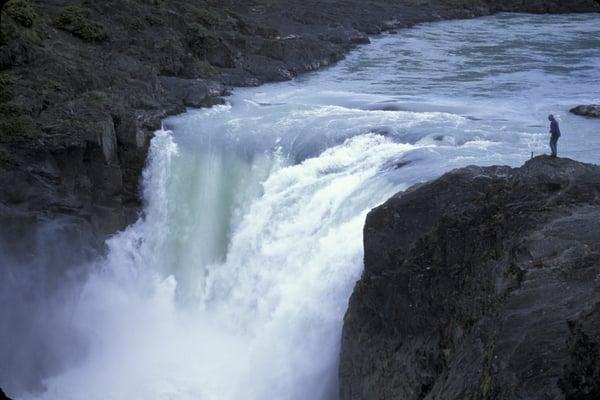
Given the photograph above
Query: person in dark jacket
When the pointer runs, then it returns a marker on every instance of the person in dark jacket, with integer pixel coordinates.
(554, 134)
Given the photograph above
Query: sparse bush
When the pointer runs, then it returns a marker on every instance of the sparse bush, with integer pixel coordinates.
(201, 40)
(137, 25)
(14, 125)
(206, 70)
(204, 16)
(76, 20)
(6, 92)
(22, 12)
(4, 156)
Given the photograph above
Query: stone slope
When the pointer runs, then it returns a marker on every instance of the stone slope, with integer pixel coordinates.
(483, 284)
(84, 84)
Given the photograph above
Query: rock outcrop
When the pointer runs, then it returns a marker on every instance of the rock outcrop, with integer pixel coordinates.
(592, 111)
(84, 84)
(483, 284)
(3, 395)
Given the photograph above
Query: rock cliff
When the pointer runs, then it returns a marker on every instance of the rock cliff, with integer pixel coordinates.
(84, 84)
(483, 284)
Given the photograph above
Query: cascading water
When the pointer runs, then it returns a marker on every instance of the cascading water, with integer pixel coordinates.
(234, 283)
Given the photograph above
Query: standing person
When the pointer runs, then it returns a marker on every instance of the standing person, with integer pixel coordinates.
(554, 134)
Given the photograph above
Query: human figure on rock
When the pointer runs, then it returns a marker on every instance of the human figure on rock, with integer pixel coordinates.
(554, 134)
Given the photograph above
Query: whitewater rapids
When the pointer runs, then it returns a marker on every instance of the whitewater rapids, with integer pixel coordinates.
(233, 283)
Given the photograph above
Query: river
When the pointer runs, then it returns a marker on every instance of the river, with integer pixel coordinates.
(234, 282)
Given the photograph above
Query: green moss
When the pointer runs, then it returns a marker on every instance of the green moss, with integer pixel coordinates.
(53, 85)
(486, 387)
(137, 25)
(6, 90)
(76, 20)
(201, 40)
(152, 20)
(206, 70)
(4, 156)
(203, 16)
(22, 12)
(98, 97)
(14, 124)
(487, 383)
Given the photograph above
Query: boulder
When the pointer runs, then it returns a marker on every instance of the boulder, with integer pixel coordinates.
(592, 111)
(482, 284)
(3, 396)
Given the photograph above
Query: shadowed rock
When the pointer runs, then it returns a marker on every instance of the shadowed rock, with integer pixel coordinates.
(3, 396)
(592, 111)
(482, 284)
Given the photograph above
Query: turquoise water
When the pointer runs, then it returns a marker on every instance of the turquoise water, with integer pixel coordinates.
(234, 283)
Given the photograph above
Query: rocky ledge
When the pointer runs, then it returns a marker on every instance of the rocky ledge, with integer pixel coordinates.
(83, 84)
(592, 111)
(483, 284)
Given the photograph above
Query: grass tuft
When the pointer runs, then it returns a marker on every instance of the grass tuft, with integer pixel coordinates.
(76, 21)
(22, 12)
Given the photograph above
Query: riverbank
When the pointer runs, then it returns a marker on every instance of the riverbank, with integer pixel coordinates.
(85, 86)
(62, 201)
(481, 284)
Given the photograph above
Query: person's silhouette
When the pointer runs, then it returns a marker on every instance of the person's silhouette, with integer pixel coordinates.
(554, 134)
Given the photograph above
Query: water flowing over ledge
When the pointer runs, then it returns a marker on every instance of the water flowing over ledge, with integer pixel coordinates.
(234, 282)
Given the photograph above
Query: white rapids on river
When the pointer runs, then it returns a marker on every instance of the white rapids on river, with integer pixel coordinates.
(234, 282)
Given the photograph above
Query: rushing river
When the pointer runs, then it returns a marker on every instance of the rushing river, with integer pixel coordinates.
(234, 283)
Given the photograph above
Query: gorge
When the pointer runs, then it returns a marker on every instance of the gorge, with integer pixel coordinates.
(234, 280)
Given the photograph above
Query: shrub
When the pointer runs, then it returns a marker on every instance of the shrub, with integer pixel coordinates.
(205, 17)
(206, 70)
(6, 92)
(4, 156)
(14, 125)
(201, 40)
(75, 20)
(22, 12)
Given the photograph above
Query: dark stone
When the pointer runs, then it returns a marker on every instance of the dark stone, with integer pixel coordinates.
(592, 111)
(192, 92)
(86, 98)
(3, 396)
(480, 285)
(108, 76)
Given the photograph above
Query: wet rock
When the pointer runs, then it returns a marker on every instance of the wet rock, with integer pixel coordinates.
(95, 79)
(592, 111)
(481, 284)
(3, 396)
(192, 92)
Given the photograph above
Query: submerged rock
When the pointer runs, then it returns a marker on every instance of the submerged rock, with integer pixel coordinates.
(482, 284)
(592, 111)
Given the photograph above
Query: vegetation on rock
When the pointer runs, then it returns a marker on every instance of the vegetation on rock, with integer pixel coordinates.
(22, 12)
(201, 40)
(76, 20)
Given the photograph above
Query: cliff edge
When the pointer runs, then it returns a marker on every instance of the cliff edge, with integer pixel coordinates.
(83, 84)
(483, 284)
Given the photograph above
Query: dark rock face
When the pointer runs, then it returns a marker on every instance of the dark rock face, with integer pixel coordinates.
(592, 111)
(84, 85)
(482, 284)
(3, 396)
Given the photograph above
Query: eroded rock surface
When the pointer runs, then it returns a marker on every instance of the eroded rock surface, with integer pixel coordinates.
(84, 84)
(483, 284)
